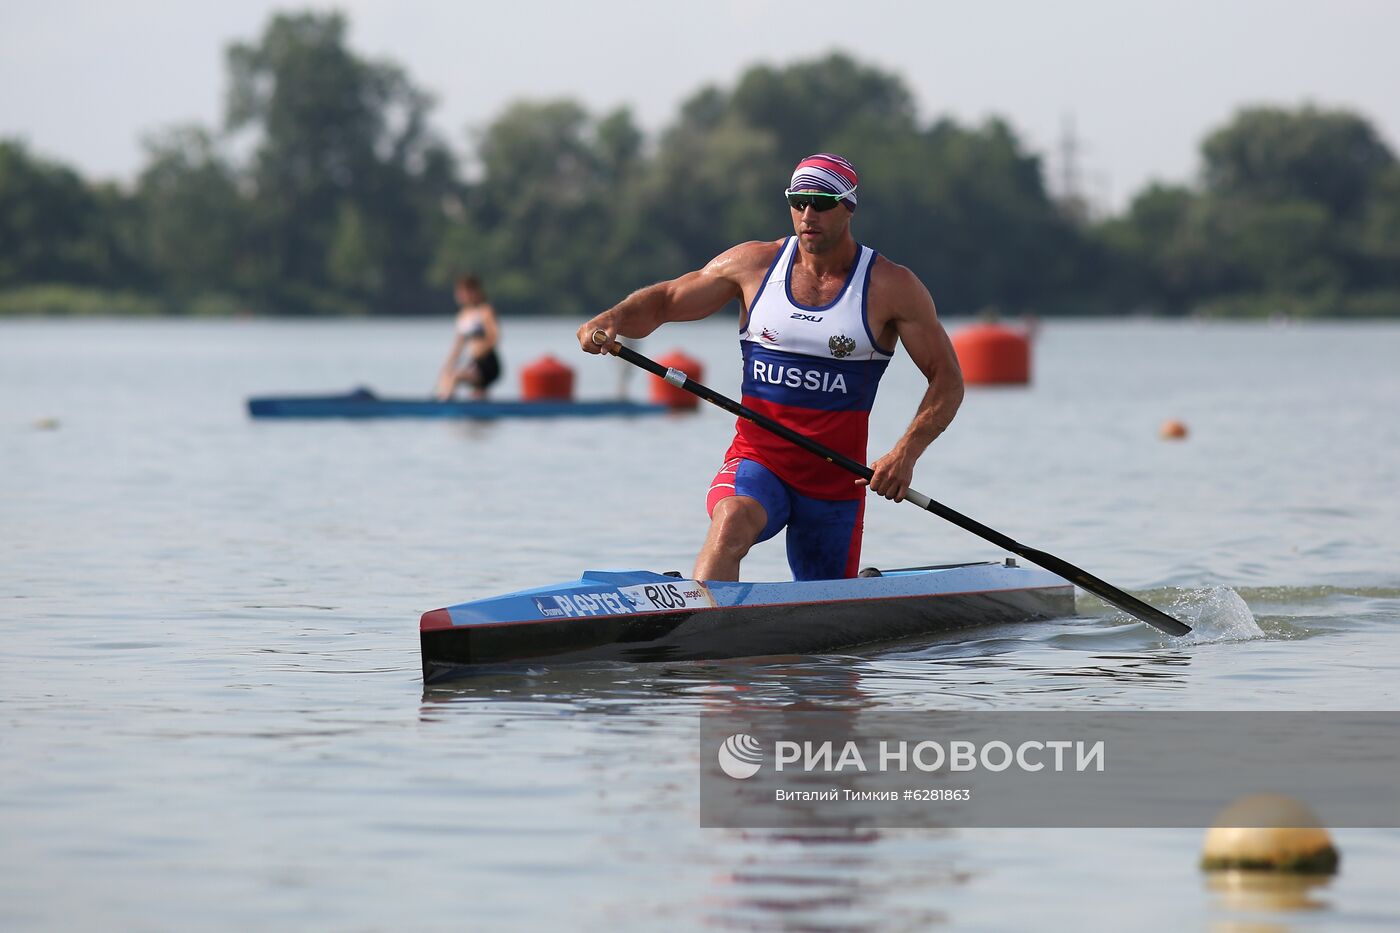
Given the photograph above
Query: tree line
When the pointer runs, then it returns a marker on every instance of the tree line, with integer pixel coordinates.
(350, 202)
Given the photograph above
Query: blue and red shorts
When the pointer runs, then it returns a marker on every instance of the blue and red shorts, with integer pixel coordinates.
(823, 535)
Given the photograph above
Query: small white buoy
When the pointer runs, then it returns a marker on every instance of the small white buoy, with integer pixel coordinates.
(1269, 833)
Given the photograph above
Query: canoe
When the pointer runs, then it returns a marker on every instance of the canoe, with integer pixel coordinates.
(640, 616)
(363, 403)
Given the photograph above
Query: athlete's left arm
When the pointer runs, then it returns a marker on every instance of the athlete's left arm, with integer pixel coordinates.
(914, 318)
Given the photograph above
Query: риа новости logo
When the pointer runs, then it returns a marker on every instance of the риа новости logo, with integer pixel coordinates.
(740, 756)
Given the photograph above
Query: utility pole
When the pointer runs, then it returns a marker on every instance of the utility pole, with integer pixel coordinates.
(1071, 197)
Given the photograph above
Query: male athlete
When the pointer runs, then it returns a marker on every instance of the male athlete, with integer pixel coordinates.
(820, 321)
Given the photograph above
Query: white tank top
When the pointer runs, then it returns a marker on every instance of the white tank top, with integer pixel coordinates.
(839, 330)
(814, 369)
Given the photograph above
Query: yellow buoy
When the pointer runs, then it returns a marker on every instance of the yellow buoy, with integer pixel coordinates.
(1269, 832)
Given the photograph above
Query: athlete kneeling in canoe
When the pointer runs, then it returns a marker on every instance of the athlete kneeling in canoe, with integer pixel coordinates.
(821, 318)
(476, 332)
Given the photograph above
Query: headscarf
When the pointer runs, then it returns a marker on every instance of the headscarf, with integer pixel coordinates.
(826, 172)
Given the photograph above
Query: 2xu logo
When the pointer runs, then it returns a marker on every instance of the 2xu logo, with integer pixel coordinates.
(740, 756)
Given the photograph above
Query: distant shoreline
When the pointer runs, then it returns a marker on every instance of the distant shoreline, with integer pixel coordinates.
(76, 301)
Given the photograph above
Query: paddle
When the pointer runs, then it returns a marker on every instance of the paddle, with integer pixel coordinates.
(1081, 578)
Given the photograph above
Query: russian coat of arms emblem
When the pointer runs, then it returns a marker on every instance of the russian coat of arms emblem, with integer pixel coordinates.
(841, 346)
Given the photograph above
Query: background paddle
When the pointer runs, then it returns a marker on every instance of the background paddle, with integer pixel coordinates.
(1081, 578)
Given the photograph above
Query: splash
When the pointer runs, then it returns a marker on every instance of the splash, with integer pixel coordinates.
(1215, 613)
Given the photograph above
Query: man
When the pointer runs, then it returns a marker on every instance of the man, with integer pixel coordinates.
(820, 321)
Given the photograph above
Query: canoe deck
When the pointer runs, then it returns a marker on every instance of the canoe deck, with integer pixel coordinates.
(639, 616)
(363, 403)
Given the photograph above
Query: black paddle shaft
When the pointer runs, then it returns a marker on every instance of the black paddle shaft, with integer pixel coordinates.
(1081, 578)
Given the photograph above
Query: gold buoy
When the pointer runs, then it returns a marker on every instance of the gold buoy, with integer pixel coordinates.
(1269, 833)
(1172, 430)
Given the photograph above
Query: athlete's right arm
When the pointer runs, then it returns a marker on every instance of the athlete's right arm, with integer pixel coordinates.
(445, 382)
(691, 297)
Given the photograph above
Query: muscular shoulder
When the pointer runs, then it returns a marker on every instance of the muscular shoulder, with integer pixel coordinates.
(895, 290)
(896, 280)
(746, 259)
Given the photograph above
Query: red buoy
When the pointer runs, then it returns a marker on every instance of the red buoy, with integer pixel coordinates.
(546, 379)
(991, 354)
(663, 393)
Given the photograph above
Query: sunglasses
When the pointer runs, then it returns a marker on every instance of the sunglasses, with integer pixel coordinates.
(816, 200)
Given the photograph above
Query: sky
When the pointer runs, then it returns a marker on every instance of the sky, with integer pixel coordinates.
(1142, 83)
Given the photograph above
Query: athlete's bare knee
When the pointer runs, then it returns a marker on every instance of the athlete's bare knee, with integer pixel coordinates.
(737, 522)
(735, 525)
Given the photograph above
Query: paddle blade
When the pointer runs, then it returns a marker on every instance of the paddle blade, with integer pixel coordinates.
(1107, 592)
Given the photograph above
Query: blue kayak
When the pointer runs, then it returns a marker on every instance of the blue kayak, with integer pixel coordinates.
(363, 403)
(640, 616)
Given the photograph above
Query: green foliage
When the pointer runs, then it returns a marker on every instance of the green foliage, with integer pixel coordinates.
(1299, 212)
(1378, 232)
(551, 225)
(346, 178)
(964, 208)
(1380, 303)
(713, 185)
(1328, 157)
(193, 219)
(76, 301)
(353, 259)
(55, 227)
(805, 104)
(351, 204)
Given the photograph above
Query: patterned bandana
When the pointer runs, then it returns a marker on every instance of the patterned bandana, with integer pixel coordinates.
(829, 173)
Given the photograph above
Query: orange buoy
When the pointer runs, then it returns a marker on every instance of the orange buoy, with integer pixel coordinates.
(991, 354)
(1172, 430)
(546, 379)
(663, 393)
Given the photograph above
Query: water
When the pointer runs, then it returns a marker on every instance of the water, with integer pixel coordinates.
(213, 718)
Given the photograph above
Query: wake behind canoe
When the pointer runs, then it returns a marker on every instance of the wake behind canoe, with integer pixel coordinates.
(363, 403)
(639, 616)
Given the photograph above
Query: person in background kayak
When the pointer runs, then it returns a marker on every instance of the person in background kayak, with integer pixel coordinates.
(477, 333)
(820, 319)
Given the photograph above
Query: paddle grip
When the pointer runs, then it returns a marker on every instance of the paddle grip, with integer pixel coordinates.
(918, 498)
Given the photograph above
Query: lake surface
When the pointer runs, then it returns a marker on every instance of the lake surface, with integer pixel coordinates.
(212, 713)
